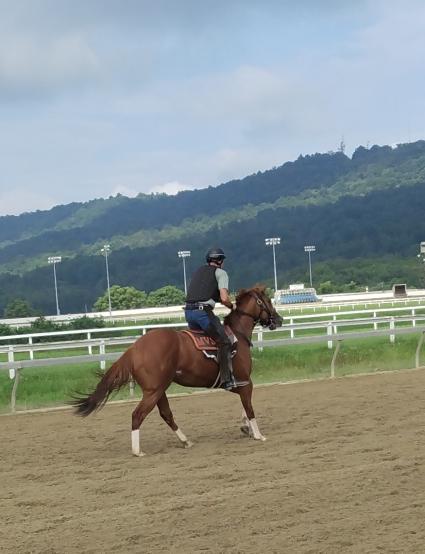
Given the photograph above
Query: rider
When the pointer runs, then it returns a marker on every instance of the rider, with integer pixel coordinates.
(210, 284)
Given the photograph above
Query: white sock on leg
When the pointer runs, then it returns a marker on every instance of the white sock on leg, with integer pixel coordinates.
(255, 430)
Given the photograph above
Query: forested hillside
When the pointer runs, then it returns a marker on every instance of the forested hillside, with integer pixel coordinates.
(364, 214)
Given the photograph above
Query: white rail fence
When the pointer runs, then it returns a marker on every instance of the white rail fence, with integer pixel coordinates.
(291, 322)
(264, 339)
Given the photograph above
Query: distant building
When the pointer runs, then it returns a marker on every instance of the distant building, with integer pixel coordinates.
(296, 294)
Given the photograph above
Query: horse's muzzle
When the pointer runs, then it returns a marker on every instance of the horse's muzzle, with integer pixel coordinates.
(275, 322)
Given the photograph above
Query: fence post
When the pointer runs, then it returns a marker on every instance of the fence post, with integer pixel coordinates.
(90, 346)
(131, 387)
(31, 350)
(102, 351)
(291, 322)
(375, 324)
(11, 358)
(260, 339)
(418, 349)
(14, 391)
(413, 318)
(392, 326)
(338, 344)
(329, 332)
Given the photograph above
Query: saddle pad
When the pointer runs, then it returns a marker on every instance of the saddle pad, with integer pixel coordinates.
(200, 340)
(204, 342)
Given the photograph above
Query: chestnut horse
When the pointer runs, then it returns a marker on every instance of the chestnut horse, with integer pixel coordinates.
(163, 356)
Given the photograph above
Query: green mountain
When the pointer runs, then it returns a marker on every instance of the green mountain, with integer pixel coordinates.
(363, 213)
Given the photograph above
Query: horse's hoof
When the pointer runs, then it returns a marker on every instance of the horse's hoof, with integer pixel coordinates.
(139, 454)
(188, 444)
(260, 438)
(245, 430)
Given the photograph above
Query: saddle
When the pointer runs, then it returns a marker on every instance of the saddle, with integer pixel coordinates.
(204, 343)
(209, 347)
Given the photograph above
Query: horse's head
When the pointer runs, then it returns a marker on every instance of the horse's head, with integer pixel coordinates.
(255, 303)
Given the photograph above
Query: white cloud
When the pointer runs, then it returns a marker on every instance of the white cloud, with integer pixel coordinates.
(167, 96)
(125, 191)
(30, 66)
(171, 188)
(19, 200)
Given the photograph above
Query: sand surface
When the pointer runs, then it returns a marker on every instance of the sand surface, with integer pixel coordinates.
(343, 470)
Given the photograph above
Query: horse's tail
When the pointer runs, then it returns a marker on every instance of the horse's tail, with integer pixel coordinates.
(116, 377)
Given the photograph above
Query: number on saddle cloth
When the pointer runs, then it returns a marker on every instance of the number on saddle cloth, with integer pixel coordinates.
(208, 345)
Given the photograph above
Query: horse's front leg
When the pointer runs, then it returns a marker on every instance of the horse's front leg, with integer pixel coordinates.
(245, 424)
(249, 423)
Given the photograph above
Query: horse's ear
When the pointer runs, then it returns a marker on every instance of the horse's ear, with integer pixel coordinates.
(260, 288)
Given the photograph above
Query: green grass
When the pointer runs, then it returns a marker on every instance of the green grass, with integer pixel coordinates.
(50, 386)
(355, 356)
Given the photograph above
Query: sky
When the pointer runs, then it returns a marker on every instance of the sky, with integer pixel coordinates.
(99, 97)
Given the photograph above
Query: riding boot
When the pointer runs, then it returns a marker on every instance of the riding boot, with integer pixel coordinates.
(227, 381)
(224, 355)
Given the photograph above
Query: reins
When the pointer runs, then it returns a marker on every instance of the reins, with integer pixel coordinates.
(255, 319)
(263, 307)
(242, 312)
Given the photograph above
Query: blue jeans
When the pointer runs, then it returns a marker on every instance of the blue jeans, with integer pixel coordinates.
(197, 319)
(208, 322)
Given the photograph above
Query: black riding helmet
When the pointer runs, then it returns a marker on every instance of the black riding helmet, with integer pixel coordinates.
(215, 255)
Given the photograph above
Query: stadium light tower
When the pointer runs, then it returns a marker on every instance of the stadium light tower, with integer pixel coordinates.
(309, 249)
(105, 251)
(273, 242)
(184, 254)
(55, 260)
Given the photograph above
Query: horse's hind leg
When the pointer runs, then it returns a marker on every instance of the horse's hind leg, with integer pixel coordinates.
(248, 417)
(167, 415)
(144, 407)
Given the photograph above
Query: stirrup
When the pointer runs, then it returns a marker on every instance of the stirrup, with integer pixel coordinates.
(229, 385)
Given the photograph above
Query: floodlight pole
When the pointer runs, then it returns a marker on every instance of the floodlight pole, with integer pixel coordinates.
(184, 254)
(272, 242)
(421, 250)
(55, 260)
(105, 250)
(309, 249)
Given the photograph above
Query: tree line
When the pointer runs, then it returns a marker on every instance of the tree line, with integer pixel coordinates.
(371, 240)
(122, 298)
(367, 239)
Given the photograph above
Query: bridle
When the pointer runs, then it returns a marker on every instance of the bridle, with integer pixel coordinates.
(271, 319)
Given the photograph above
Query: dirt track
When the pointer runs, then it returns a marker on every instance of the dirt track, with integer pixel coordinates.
(343, 471)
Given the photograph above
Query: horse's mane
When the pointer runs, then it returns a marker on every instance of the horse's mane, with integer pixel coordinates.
(258, 289)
